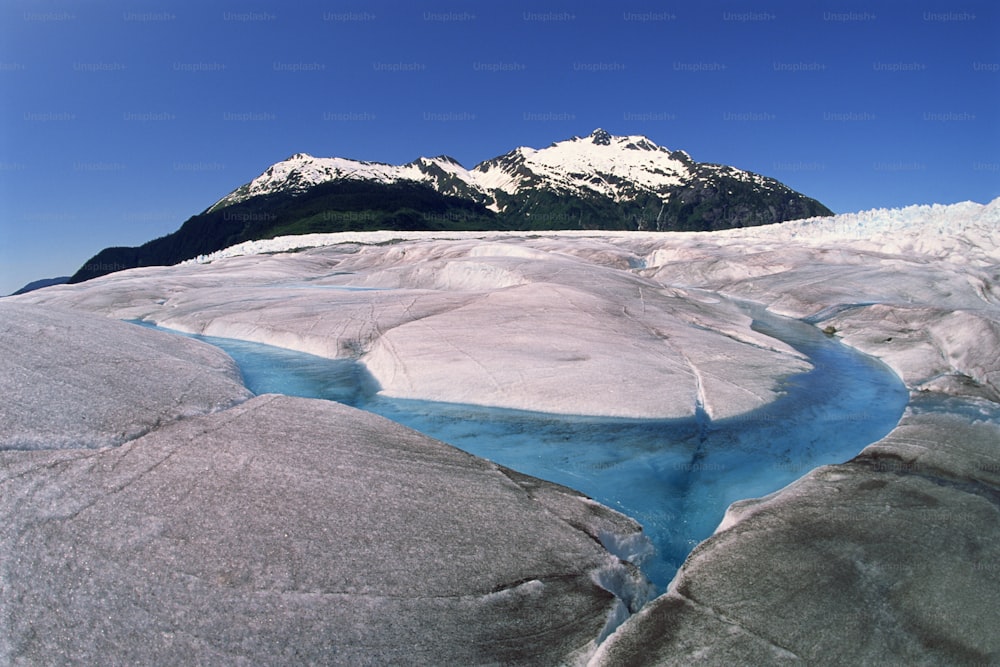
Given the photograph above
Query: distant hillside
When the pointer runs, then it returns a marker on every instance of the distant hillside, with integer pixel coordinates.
(329, 207)
(39, 284)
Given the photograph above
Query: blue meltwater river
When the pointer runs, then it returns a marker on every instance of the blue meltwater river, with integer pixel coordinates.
(676, 477)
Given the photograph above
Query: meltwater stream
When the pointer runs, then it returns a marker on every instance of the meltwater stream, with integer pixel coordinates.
(676, 477)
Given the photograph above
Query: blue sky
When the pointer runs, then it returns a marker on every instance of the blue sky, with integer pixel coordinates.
(119, 120)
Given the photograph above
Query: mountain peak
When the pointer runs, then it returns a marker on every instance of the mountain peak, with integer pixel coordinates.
(447, 159)
(300, 156)
(600, 137)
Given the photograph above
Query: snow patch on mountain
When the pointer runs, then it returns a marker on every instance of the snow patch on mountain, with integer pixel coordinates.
(302, 171)
(612, 166)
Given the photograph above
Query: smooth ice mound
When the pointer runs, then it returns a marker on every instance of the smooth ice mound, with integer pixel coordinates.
(675, 477)
(524, 324)
(287, 531)
(75, 380)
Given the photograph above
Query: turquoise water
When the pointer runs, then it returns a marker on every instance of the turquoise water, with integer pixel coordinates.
(676, 477)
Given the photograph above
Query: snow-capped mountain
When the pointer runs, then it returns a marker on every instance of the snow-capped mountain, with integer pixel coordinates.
(621, 169)
(636, 182)
(595, 182)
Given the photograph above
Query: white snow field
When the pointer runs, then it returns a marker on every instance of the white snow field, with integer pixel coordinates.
(890, 557)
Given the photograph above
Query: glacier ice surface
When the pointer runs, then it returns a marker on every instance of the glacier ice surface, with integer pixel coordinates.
(905, 517)
(676, 477)
(288, 531)
(71, 379)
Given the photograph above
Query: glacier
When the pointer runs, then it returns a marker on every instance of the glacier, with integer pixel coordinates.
(242, 529)
(888, 555)
(80, 382)
(676, 477)
(474, 322)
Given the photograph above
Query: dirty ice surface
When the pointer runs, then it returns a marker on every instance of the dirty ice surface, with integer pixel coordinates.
(676, 477)
(629, 329)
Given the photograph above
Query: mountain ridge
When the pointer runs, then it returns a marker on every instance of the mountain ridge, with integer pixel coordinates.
(596, 164)
(600, 181)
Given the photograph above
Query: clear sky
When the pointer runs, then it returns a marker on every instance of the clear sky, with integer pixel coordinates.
(119, 120)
